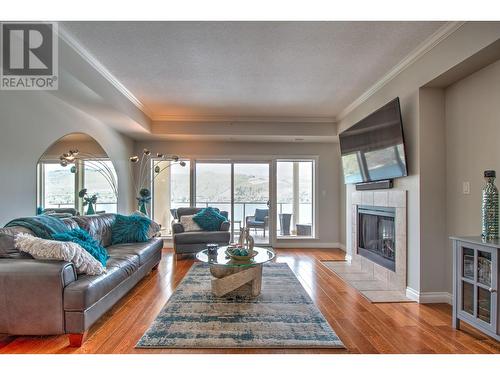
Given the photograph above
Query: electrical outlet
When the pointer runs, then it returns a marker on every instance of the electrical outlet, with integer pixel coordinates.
(466, 187)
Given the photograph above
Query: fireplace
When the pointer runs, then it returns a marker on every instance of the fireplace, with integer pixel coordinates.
(377, 235)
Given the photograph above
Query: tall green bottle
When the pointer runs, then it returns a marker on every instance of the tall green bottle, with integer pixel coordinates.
(490, 207)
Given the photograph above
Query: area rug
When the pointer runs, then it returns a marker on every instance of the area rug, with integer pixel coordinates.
(369, 286)
(283, 316)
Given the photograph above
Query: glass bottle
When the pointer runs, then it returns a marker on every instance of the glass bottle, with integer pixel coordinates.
(490, 207)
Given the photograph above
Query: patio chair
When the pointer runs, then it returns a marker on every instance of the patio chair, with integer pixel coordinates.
(259, 220)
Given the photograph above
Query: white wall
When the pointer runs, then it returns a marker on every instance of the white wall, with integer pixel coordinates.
(328, 173)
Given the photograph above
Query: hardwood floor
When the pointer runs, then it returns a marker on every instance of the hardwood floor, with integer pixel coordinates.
(362, 326)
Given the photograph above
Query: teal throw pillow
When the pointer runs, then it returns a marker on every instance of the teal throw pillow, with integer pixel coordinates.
(128, 229)
(209, 219)
(85, 240)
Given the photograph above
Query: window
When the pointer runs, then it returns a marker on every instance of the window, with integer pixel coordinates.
(57, 186)
(95, 180)
(171, 190)
(295, 198)
(213, 185)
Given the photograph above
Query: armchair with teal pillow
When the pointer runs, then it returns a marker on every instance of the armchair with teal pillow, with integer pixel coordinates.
(192, 242)
(209, 219)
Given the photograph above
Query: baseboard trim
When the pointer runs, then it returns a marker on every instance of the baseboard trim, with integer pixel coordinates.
(428, 297)
(288, 245)
(306, 245)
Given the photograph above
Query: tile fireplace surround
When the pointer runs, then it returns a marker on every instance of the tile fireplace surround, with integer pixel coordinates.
(392, 280)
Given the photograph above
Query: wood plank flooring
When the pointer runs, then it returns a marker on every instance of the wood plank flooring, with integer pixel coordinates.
(362, 326)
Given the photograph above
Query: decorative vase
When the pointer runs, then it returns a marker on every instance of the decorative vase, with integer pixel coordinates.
(490, 207)
(142, 208)
(90, 209)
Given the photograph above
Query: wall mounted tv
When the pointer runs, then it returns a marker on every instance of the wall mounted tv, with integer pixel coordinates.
(373, 149)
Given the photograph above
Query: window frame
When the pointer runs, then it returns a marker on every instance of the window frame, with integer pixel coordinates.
(272, 159)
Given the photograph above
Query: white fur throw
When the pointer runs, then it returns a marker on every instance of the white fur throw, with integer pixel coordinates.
(39, 248)
(189, 224)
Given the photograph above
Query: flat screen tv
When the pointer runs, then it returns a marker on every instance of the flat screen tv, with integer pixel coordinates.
(373, 149)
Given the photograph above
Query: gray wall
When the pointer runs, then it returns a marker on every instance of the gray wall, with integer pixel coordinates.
(472, 37)
(473, 145)
(433, 244)
(328, 173)
(31, 121)
(62, 145)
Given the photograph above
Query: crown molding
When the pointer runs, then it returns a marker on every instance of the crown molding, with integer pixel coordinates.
(441, 34)
(240, 119)
(97, 65)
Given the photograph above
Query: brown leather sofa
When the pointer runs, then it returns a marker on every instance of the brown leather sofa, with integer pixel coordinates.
(49, 298)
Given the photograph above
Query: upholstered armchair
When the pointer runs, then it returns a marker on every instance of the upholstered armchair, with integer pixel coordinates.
(192, 242)
(260, 220)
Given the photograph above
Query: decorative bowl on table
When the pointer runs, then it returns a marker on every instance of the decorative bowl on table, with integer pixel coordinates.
(239, 253)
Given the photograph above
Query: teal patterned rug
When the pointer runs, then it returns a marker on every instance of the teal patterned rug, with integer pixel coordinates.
(283, 316)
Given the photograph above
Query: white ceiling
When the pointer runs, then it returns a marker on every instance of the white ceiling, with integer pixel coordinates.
(249, 69)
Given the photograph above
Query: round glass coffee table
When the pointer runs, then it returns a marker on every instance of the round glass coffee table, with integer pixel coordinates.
(243, 277)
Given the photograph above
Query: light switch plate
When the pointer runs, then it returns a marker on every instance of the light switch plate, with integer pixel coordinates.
(466, 187)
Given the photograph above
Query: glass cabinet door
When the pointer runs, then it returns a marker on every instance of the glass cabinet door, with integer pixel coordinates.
(477, 284)
(483, 304)
(468, 263)
(468, 297)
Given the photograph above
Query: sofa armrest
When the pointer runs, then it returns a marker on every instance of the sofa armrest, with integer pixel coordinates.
(177, 228)
(31, 295)
(224, 227)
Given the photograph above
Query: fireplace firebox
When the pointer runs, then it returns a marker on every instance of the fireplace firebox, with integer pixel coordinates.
(377, 235)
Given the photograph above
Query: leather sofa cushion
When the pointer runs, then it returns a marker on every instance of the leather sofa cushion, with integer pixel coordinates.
(7, 246)
(70, 223)
(87, 290)
(144, 250)
(99, 226)
(201, 237)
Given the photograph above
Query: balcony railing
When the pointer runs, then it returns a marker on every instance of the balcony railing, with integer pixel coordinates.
(244, 209)
(100, 206)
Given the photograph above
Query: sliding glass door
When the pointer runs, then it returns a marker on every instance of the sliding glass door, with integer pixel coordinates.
(242, 188)
(251, 200)
(213, 185)
(239, 188)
